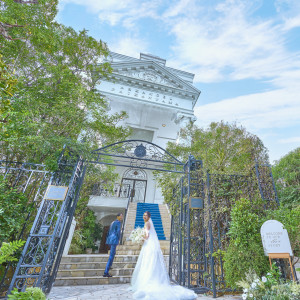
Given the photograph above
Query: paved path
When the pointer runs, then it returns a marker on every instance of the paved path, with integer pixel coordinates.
(104, 292)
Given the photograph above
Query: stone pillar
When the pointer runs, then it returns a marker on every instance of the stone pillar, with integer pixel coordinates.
(70, 236)
(183, 120)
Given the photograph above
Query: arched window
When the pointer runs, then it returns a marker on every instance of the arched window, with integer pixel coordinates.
(137, 180)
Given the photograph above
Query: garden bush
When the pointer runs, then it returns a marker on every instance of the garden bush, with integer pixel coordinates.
(14, 209)
(31, 293)
(245, 250)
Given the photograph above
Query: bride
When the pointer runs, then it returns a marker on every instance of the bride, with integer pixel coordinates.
(150, 279)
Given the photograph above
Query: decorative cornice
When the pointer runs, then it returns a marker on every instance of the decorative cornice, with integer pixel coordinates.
(160, 70)
(154, 87)
(149, 75)
(152, 77)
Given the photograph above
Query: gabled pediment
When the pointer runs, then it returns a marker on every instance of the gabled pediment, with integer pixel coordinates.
(150, 72)
(149, 75)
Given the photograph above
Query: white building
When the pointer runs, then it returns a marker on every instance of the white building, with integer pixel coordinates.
(159, 101)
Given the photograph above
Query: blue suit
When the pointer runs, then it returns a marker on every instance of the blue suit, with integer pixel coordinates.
(112, 239)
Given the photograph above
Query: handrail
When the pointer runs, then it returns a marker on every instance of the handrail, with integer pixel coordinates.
(125, 216)
(119, 190)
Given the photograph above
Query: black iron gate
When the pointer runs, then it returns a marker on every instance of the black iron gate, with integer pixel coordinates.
(199, 229)
(200, 213)
(41, 256)
(43, 250)
(188, 263)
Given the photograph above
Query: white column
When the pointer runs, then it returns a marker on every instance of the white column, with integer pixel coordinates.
(183, 120)
(70, 236)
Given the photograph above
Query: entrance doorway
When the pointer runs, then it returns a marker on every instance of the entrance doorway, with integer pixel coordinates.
(137, 180)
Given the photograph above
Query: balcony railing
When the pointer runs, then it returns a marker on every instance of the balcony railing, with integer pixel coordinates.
(118, 190)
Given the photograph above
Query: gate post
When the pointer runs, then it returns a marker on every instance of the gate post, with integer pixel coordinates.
(211, 239)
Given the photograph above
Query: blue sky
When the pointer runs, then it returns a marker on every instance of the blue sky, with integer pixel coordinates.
(245, 54)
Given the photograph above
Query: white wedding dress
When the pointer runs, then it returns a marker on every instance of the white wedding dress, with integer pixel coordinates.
(150, 279)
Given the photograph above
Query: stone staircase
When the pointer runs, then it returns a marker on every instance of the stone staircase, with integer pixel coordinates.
(88, 269)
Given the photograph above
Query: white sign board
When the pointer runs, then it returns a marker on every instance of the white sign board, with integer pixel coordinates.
(275, 239)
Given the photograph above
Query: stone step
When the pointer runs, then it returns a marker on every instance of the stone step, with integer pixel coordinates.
(162, 243)
(129, 247)
(97, 258)
(93, 265)
(136, 247)
(99, 280)
(137, 252)
(94, 272)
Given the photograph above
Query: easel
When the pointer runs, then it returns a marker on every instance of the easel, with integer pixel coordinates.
(282, 255)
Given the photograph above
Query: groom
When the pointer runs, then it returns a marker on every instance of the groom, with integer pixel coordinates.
(113, 240)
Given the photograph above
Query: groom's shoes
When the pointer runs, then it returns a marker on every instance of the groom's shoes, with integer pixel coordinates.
(107, 275)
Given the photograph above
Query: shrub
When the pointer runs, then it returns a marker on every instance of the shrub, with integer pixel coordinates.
(8, 250)
(286, 174)
(13, 212)
(31, 293)
(245, 250)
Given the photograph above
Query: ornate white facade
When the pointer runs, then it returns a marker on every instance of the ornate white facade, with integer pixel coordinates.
(159, 101)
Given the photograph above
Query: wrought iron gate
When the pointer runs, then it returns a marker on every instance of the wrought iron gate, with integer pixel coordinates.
(43, 250)
(197, 233)
(40, 259)
(188, 263)
(198, 236)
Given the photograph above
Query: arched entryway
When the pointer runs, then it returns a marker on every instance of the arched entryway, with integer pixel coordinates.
(136, 179)
(43, 250)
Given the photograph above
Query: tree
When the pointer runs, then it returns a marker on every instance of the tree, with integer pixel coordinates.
(19, 18)
(223, 147)
(7, 88)
(286, 172)
(56, 102)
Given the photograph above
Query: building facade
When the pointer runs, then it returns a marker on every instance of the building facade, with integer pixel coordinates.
(158, 100)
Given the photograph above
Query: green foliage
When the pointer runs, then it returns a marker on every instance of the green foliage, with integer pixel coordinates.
(88, 230)
(56, 102)
(14, 210)
(8, 250)
(31, 293)
(239, 260)
(286, 174)
(19, 21)
(91, 230)
(268, 287)
(245, 250)
(223, 147)
(7, 88)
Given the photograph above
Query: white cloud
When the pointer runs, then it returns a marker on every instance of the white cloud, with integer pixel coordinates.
(96, 5)
(126, 12)
(227, 39)
(273, 109)
(295, 139)
(130, 46)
